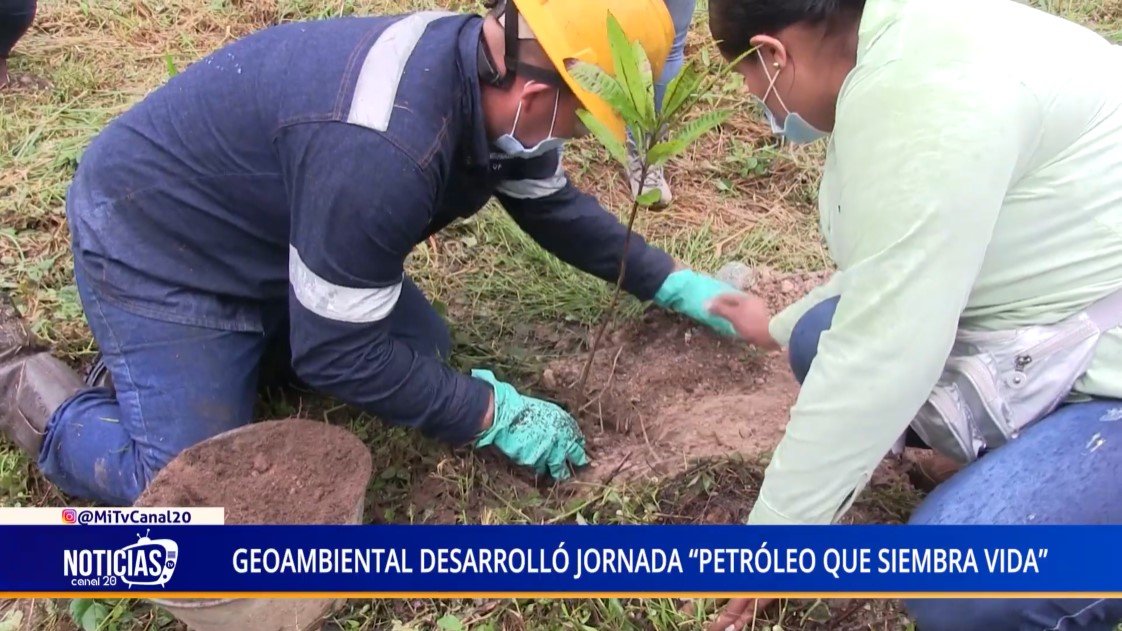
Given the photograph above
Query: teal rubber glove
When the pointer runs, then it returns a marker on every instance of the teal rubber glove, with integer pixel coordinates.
(532, 432)
(690, 293)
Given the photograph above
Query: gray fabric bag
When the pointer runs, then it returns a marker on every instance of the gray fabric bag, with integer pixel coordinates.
(996, 383)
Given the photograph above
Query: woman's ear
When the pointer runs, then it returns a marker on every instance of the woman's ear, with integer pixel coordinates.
(773, 52)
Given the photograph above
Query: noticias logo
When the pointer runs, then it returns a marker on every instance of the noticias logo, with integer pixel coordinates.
(148, 562)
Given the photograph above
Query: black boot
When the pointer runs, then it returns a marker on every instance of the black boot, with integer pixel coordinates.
(99, 375)
(32, 382)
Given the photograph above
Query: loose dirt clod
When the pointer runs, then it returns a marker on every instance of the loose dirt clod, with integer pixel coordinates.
(291, 471)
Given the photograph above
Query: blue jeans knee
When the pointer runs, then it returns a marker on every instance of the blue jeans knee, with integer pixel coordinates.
(1015, 614)
(803, 346)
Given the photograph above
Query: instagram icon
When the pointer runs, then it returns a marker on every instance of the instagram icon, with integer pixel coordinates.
(69, 516)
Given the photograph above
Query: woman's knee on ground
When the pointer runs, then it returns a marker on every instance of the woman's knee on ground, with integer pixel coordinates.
(804, 337)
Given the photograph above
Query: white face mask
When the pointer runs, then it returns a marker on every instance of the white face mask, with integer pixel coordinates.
(514, 148)
(794, 127)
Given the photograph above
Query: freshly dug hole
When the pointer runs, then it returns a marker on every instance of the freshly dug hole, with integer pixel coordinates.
(290, 471)
(665, 392)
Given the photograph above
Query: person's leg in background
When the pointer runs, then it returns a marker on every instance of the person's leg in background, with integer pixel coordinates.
(15, 18)
(174, 385)
(1065, 469)
(681, 12)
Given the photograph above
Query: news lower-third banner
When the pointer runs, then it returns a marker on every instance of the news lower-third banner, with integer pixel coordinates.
(158, 560)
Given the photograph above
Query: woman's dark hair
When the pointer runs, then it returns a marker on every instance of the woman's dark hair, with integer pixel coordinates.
(734, 23)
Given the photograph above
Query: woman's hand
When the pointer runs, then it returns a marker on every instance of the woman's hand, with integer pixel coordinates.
(748, 315)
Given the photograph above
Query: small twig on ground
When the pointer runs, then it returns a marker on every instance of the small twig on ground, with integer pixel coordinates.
(619, 467)
(435, 251)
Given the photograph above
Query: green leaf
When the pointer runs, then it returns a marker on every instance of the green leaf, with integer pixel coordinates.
(605, 136)
(78, 608)
(450, 623)
(88, 614)
(689, 133)
(616, 608)
(172, 70)
(592, 78)
(646, 73)
(649, 198)
(628, 72)
(662, 152)
(681, 91)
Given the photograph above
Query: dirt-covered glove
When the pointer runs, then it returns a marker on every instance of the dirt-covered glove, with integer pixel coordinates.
(532, 432)
(690, 294)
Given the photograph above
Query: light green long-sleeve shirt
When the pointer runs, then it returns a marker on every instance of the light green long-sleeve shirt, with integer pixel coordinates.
(974, 179)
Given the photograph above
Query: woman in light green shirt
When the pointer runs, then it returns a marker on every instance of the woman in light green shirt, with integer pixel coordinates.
(973, 181)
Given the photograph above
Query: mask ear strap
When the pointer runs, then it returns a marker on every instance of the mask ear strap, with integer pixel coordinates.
(517, 115)
(771, 85)
(556, 100)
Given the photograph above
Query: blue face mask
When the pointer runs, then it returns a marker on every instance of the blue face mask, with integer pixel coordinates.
(794, 127)
(513, 147)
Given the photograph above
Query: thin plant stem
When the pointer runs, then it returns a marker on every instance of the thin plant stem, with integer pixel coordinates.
(610, 313)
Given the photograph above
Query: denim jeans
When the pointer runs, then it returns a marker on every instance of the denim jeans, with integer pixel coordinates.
(1064, 469)
(681, 12)
(175, 385)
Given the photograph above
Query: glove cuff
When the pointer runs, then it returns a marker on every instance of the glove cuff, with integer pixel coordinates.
(503, 395)
(669, 295)
(689, 293)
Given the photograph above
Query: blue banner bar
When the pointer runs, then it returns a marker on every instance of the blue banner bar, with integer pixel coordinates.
(519, 560)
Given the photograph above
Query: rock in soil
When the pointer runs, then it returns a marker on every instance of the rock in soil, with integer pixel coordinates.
(291, 471)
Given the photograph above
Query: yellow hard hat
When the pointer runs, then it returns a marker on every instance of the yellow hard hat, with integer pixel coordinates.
(570, 30)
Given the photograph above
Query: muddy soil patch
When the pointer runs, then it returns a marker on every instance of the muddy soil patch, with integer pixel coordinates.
(665, 392)
(291, 471)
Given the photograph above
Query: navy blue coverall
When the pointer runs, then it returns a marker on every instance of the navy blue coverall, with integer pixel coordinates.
(281, 182)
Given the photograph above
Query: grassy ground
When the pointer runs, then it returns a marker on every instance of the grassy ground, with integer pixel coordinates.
(511, 306)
